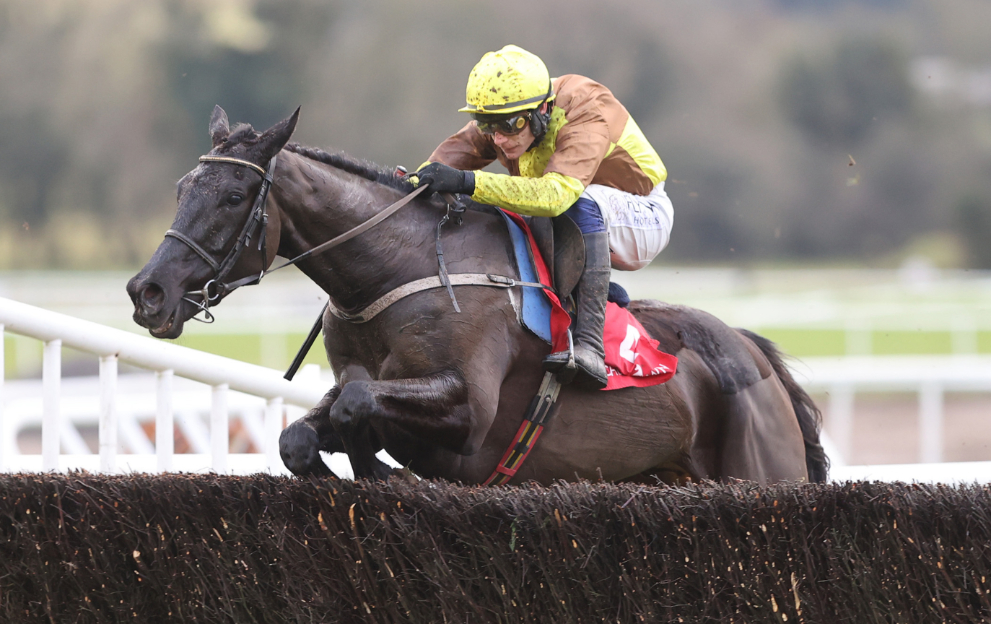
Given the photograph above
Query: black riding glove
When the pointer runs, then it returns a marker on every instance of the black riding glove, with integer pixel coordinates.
(444, 179)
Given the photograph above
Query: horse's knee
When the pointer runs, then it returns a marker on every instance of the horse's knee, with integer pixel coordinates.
(299, 446)
(354, 403)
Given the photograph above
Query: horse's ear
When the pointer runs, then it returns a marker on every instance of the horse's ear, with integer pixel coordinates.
(219, 126)
(276, 137)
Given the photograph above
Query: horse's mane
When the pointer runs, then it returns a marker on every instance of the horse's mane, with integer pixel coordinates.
(245, 134)
(342, 161)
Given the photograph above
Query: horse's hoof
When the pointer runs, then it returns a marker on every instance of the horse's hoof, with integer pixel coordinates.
(299, 446)
(382, 472)
(374, 469)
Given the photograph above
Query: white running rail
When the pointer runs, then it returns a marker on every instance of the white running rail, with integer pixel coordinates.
(259, 396)
(930, 377)
(223, 375)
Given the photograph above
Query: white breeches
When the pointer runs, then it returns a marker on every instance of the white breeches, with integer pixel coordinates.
(639, 226)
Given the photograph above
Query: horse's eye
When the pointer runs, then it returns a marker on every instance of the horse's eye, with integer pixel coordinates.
(235, 199)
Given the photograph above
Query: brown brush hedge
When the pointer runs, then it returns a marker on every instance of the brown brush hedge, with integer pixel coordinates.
(206, 548)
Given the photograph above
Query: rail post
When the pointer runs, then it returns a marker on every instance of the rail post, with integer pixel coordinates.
(930, 423)
(3, 376)
(164, 421)
(108, 413)
(219, 433)
(272, 427)
(841, 397)
(51, 421)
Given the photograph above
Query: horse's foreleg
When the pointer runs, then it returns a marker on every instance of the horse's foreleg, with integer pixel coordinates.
(301, 442)
(433, 408)
(361, 446)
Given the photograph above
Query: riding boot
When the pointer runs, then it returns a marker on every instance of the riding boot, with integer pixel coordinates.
(593, 288)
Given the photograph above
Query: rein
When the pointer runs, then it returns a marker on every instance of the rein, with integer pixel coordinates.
(334, 242)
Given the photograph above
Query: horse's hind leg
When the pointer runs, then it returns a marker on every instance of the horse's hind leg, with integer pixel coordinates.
(301, 442)
(762, 438)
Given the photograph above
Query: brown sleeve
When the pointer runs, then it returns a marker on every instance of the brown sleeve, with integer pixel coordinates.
(595, 121)
(579, 151)
(468, 149)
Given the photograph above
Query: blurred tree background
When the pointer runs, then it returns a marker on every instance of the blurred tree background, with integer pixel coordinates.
(794, 131)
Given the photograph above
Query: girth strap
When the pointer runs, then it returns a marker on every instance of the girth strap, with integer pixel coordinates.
(427, 283)
(536, 417)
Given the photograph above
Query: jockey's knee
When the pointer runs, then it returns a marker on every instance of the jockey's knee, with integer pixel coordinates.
(587, 216)
(639, 225)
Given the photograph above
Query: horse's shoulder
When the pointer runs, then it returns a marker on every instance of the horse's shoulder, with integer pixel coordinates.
(489, 221)
(486, 209)
(734, 362)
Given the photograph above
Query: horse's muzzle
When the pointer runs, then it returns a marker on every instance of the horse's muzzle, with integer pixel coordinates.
(151, 309)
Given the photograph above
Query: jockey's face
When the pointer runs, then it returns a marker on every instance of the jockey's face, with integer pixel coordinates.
(514, 145)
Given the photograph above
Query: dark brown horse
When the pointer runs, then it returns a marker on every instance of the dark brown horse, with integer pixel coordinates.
(444, 392)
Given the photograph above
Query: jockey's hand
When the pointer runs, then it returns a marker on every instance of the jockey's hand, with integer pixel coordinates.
(444, 179)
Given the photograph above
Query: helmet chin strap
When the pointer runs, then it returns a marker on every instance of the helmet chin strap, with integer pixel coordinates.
(545, 119)
(539, 121)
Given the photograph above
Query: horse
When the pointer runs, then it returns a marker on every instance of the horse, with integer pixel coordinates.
(444, 391)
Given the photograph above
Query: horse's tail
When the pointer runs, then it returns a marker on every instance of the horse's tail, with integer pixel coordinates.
(809, 416)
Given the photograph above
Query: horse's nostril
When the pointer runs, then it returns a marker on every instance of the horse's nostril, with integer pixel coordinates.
(152, 296)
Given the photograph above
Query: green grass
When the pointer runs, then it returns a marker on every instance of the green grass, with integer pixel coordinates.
(912, 342)
(832, 342)
(805, 343)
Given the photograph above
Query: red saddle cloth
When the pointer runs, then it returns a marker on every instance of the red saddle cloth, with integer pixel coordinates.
(632, 356)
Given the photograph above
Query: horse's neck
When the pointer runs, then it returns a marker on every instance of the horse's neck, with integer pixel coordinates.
(318, 202)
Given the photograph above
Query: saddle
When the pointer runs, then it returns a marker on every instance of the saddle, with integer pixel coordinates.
(560, 243)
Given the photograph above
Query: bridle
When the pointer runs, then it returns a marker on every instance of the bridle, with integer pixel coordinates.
(258, 220)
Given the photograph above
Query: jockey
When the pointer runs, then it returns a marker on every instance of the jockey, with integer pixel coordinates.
(570, 148)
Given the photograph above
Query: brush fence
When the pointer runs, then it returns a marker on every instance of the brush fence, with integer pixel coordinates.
(263, 548)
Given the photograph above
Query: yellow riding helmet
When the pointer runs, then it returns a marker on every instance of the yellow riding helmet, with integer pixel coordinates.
(507, 81)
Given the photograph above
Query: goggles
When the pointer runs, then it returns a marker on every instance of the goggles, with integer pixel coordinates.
(514, 124)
